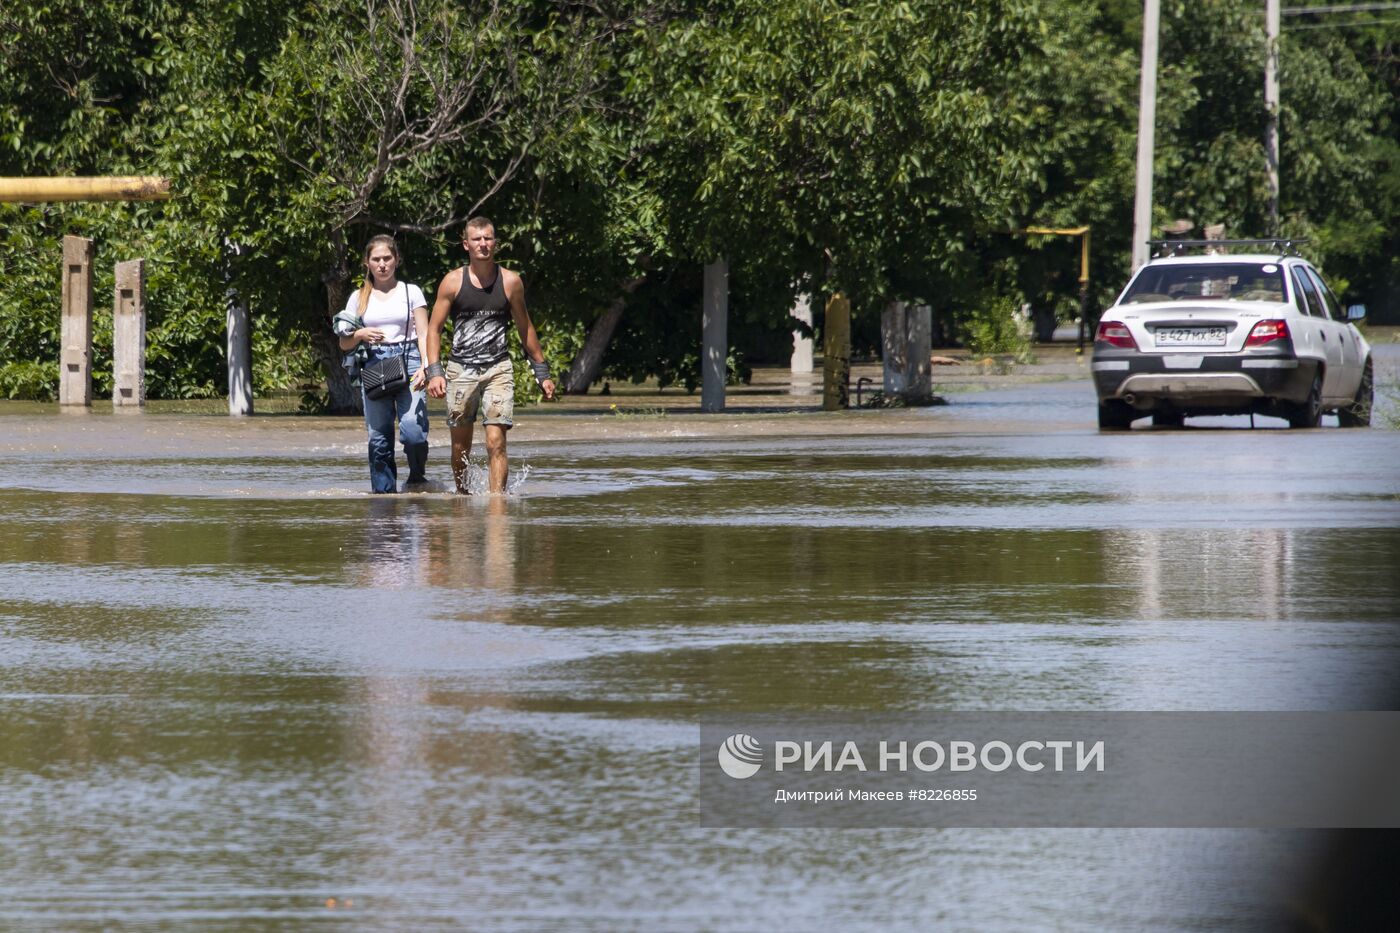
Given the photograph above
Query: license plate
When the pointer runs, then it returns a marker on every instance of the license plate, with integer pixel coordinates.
(1190, 336)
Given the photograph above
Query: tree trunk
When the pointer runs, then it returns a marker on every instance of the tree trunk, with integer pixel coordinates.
(836, 354)
(583, 371)
(342, 396)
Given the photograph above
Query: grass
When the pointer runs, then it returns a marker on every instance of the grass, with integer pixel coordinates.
(636, 414)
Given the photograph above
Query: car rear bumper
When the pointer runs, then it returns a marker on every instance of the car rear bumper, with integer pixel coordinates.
(1224, 381)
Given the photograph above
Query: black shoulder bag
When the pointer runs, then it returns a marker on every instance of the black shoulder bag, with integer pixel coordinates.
(383, 378)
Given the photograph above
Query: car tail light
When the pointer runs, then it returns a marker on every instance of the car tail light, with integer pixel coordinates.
(1115, 334)
(1267, 332)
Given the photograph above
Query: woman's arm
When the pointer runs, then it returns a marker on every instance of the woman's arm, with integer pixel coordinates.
(349, 318)
(363, 335)
(420, 329)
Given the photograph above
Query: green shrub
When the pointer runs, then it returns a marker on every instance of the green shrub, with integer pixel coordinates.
(560, 344)
(994, 325)
(28, 380)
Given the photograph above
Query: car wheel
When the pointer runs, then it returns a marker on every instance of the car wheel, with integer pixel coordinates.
(1168, 419)
(1358, 413)
(1115, 415)
(1309, 413)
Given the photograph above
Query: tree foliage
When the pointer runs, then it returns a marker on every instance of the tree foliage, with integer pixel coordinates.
(883, 148)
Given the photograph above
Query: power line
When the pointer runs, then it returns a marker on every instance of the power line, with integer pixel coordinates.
(1360, 22)
(1343, 8)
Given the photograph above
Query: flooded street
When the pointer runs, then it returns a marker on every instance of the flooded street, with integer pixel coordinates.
(237, 693)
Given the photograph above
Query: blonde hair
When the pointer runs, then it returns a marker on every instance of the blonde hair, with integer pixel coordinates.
(382, 239)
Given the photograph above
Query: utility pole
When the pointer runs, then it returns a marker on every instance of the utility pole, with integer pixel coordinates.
(1271, 104)
(1147, 121)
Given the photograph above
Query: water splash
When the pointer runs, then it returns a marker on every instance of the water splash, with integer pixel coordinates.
(478, 479)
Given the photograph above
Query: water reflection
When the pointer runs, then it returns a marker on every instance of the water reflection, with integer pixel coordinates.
(1247, 572)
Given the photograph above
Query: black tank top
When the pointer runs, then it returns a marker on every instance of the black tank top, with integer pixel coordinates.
(480, 322)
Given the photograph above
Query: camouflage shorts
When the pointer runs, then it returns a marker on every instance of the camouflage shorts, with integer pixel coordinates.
(490, 391)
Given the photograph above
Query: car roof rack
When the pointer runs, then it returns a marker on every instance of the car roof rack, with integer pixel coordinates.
(1284, 246)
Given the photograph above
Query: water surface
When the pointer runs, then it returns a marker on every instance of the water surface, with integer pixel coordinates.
(238, 693)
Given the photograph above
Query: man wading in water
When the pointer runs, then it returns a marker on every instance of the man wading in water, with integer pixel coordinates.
(482, 298)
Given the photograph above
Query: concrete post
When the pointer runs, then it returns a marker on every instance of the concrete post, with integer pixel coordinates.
(918, 373)
(75, 341)
(802, 345)
(129, 335)
(894, 348)
(1147, 125)
(1271, 107)
(714, 363)
(836, 354)
(238, 354)
(240, 357)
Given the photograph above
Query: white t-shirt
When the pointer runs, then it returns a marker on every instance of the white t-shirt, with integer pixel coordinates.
(388, 311)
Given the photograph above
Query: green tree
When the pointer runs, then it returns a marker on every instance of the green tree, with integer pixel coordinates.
(390, 116)
(880, 148)
(820, 146)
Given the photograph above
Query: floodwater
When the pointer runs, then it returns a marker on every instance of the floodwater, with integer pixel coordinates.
(236, 693)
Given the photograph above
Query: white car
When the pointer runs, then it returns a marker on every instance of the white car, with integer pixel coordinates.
(1230, 334)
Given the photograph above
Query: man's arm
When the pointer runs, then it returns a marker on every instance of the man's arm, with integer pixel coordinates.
(515, 293)
(442, 306)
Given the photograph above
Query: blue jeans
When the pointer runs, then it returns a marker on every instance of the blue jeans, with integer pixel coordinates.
(411, 410)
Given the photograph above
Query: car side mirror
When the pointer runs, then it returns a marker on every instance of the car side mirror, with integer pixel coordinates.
(1356, 312)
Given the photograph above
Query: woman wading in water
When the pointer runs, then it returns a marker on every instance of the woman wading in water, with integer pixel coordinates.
(388, 318)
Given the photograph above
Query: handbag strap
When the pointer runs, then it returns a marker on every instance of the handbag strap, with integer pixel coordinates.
(408, 319)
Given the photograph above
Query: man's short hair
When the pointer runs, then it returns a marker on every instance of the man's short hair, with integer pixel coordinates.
(476, 223)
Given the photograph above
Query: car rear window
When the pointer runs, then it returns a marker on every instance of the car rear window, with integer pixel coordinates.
(1226, 281)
